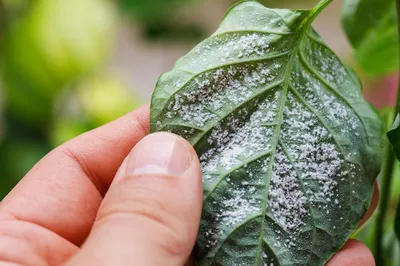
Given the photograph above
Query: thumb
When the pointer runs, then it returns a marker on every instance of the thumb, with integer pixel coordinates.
(151, 213)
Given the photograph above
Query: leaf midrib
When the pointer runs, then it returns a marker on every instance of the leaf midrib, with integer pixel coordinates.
(267, 180)
(314, 229)
(286, 82)
(297, 44)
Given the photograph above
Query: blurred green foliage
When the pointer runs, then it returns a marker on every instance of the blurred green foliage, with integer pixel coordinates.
(391, 245)
(367, 233)
(49, 49)
(54, 83)
(160, 20)
(17, 156)
(151, 10)
(374, 36)
(92, 103)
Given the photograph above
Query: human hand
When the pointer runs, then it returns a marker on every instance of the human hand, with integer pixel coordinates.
(84, 204)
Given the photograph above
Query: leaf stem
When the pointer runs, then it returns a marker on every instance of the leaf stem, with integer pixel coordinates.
(387, 172)
(321, 5)
(315, 12)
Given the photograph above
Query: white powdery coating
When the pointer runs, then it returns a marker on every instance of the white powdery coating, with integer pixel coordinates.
(319, 97)
(240, 46)
(266, 260)
(316, 155)
(238, 207)
(236, 142)
(196, 114)
(328, 65)
(223, 88)
(237, 203)
(334, 73)
(286, 200)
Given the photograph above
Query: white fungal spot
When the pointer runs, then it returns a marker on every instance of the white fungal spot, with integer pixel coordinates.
(286, 201)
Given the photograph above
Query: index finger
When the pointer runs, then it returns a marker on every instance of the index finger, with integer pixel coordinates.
(64, 190)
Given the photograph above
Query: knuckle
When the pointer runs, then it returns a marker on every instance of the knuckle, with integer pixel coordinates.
(83, 165)
(12, 245)
(174, 244)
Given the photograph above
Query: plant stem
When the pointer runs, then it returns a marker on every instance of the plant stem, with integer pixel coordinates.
(387, 172)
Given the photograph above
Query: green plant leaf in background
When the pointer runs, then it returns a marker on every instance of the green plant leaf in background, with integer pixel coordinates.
(105, 98)
(92, 103)
(150, 10)
(371, 26)
(289, 149)
(17, 156)
(376, 227)
(394, 136)
(154, 16)
(50, 45)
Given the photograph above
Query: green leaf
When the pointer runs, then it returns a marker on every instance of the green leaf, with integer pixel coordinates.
(371, 26)
(289, 149)
(151, 10)
(394, 136)
(17, 156)
(46, 50)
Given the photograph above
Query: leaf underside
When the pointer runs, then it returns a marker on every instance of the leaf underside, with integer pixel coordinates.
(371, 26)
(288, 147)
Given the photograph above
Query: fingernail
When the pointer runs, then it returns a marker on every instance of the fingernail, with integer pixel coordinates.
(160, 153)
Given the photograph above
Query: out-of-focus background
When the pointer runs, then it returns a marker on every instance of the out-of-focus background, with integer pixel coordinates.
(69, 66)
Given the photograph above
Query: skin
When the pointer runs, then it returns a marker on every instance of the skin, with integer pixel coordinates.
(116, 196)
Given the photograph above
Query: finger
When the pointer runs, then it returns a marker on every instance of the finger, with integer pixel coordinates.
(150, 215)
(64, 190)
(29, 244)
(354, 253)
(374, 204)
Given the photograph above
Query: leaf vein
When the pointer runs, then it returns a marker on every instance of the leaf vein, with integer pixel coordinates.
(330, 87)
(346, 163)
(253, 97)
(314, 231)
(219, 34)
(230, 233)
(255, 158)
